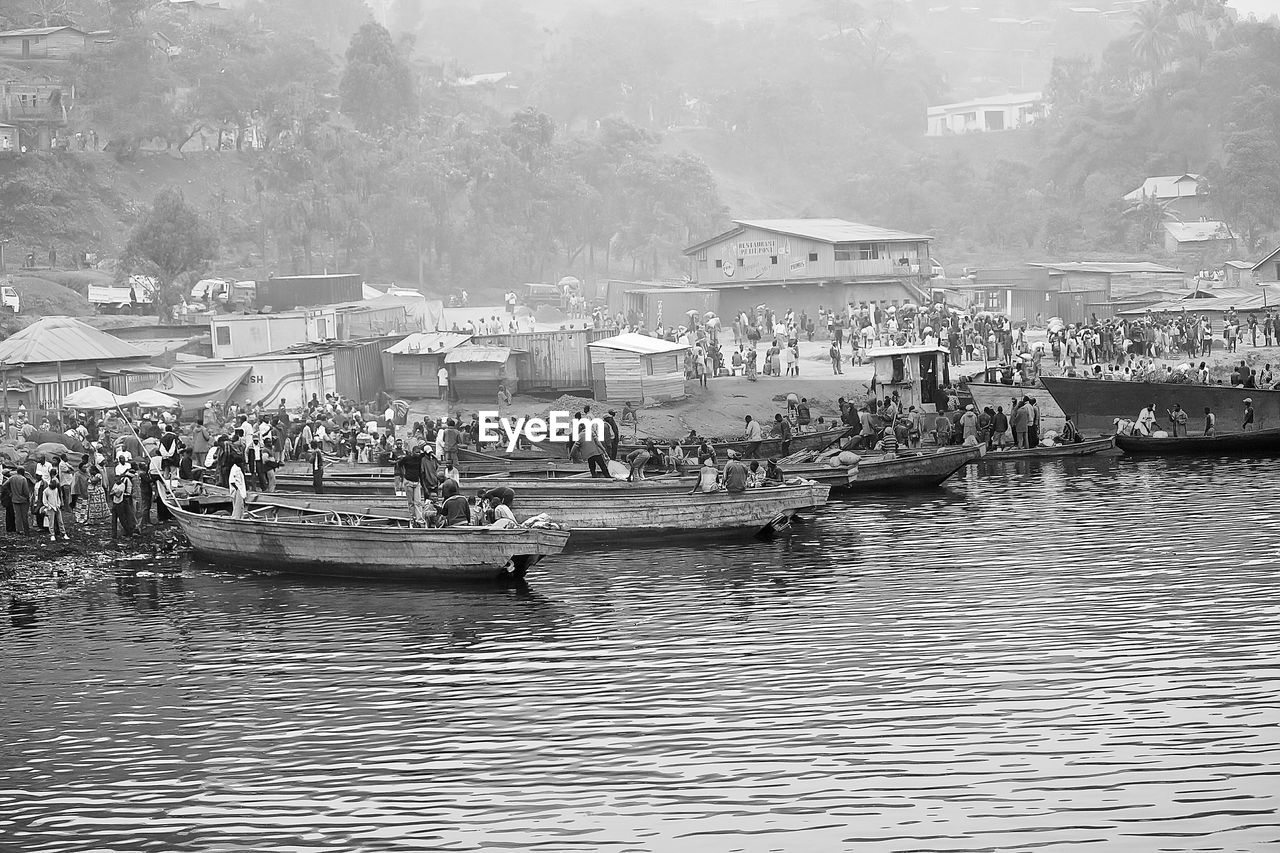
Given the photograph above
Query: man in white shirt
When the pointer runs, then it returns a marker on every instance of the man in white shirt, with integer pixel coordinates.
(1146, 419)
(442, 376)
(235, 483)
(754, 437)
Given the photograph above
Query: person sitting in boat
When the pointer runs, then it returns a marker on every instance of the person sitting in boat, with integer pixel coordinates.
(708, 477)
(456, 509)
(1123, 426)
(706, 452)
(773, 475)
(673, 457)
(1146, 420)
(735, 474)
(755, 475)
(1070, 435)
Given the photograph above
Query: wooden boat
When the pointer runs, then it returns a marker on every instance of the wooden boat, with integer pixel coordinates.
(1094, 404)
(1262, 441)
(609, 510)
(912, 469)
(769, 447)
(1088, 447)
(280, 537)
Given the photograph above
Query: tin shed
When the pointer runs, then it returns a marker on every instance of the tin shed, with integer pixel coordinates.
(637, 367)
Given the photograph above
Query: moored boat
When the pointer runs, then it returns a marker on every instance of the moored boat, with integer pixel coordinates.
(1088, 447)
(912, 469)
(279, 537)
(769, 447)
(1261, 441)
(1094, 404)
(608, 510)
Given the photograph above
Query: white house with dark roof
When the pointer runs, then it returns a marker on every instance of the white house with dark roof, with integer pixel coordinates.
(807, 263)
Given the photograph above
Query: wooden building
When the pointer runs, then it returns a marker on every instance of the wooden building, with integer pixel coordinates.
(917, 373)
(44, 43)
(412, 366)
(1268, 269)
(803, 264)
(556, 361)
(637, 368)
(9, 139)
(476, 372)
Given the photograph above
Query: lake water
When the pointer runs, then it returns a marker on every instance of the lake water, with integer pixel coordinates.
(1078, 654)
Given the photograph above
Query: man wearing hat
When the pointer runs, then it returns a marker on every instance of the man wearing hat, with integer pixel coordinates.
(969, 424)
(735, 473)
(1248, 414)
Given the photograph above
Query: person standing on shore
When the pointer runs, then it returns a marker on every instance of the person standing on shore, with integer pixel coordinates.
(834, 352)
(19, 491)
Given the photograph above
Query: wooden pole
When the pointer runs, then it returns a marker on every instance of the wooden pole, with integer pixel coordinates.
(58, 396)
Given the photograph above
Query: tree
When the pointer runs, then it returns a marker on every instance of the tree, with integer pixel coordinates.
(1154, 36)
(1149, 215)
(377, 88)
(172, 239)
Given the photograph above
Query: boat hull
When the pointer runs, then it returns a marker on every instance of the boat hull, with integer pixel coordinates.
(1094, 404)
(1266, 442)
(374, 549)
(1088, 447)
(613, 509)
(914, 471)
(994, 394)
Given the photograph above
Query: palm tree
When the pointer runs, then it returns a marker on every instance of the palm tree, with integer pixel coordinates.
(1154, 36)
(1150, 214)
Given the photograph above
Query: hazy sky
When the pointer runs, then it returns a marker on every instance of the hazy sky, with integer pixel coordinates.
(1262, 8)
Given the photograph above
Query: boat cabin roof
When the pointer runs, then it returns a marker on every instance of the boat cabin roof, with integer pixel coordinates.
(892, 352)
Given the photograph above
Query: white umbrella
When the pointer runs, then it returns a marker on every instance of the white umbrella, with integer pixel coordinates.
(90, 398)
(149, 398)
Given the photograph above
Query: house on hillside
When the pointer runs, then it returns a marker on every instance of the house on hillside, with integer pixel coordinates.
(1206, 238)
(803, 264)
(1268, 269)
(44, 43)
(981, 115)
(1237, 274)
(1186, 194)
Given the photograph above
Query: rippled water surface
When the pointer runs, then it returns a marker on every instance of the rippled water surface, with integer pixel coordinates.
(1079, 654)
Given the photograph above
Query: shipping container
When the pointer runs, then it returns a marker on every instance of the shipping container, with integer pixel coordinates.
(284, 293)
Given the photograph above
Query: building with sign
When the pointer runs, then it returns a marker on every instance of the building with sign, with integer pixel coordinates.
(802, 264)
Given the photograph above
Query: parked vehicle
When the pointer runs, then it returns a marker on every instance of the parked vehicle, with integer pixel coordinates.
(136, 296)
(9, 300)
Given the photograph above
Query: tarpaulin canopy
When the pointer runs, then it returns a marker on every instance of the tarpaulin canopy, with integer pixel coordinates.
(92, 397)
(193, 385)
(151, 399)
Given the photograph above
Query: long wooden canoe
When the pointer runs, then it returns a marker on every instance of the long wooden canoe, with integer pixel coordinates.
(769, 447)
(609, 510)
(347, 544)
(1087, 447)
(1262, 441)
(911, 470)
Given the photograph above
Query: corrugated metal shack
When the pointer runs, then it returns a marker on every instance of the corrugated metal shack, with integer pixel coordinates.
(476, 372)
(359, 368)
(637, 368)
(412, 366)
(553, 361)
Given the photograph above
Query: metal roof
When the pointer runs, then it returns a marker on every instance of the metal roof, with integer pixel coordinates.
(1106, 267)
(822, 230)
(422, 343)
(884, 352)
(1201, 306)
(53, 339)
(38, 31)
(1274, 254)
(639, 344)
(993, 101)
(1198, 232)
(1166, 186)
